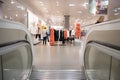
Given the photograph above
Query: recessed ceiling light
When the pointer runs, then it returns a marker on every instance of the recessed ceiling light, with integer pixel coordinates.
(6, 17)
(71, 4)
(21, 7)
(118, 8)
(16, 15)
(85, 5)
(115, 10)
(41, 2)
(79, 11)
(116, 14)
(57, 3)
(12, 2)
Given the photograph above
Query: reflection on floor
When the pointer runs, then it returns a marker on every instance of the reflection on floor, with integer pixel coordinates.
(51, 61)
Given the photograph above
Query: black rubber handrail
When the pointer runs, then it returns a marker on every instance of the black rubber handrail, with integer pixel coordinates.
(12, 42)
(106, 44)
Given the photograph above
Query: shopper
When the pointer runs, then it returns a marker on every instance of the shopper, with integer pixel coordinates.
(38, 35)
(101, 19)
(44, 35)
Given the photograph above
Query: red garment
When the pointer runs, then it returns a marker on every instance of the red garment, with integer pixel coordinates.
(78, 31)
(65, 34)
(51, 36)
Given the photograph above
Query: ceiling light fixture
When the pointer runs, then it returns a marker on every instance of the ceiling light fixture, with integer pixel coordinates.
(21, 7)
(116, 14)
(71, 5)
(41, 2)
(12, 2)
(85, 5)
(79, 11)
(57, 3)
(16, 15)
(115, 10)
(6, 17)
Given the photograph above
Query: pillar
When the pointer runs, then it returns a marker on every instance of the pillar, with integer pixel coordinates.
(67, 24)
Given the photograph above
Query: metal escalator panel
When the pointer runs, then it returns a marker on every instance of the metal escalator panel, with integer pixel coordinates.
(16, 61)
(115, 69)
(16, 51)
(57, 75)
(97, 64)
(102, 61)
(102, 51)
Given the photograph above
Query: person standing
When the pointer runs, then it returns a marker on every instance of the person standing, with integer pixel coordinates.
(44, 35)
(38, 35)
(38, 30)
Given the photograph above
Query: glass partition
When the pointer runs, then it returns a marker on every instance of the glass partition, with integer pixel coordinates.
(102, 61)
(17, 63)
(115, 70)
(97, 64)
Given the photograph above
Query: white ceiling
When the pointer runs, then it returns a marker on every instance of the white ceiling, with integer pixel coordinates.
(54, 10)
(13, 11)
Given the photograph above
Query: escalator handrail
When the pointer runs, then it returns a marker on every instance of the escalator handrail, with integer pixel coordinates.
(110, 49)
(7, 47)
(101, 24)
(6, 24)
(19, 26)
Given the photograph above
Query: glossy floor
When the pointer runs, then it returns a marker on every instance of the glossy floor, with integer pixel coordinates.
(60, 60)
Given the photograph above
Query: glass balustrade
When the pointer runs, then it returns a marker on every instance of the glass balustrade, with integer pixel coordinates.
(101, 62)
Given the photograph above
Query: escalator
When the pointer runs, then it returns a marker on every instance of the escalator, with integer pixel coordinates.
(15, 51)
(57, 75)
(102, 52)
(16, 57)
(101, 48)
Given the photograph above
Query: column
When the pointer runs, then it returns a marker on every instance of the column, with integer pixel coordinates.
(67, 24)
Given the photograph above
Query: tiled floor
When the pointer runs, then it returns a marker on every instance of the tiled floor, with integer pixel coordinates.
(57, 57)
(59, 62)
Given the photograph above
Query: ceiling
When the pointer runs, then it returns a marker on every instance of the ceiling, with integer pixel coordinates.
(56, 9)
(53, 10)
(13, 11)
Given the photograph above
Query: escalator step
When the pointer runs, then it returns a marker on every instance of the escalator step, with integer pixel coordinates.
(57, 75)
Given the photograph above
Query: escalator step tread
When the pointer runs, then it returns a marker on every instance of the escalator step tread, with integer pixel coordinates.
(57, 75)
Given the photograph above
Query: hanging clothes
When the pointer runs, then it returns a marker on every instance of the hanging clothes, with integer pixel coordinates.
(51, 36)
(65, 34)
(78, 31)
